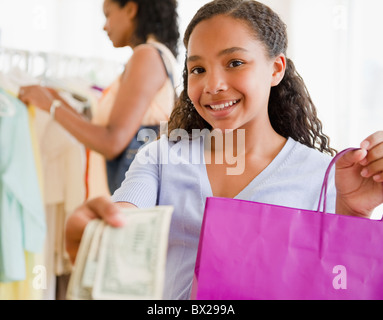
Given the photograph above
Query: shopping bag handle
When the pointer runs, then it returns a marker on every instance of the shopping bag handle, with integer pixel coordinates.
(323, 194)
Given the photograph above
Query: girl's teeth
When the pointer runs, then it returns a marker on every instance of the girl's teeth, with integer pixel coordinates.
(223, 106)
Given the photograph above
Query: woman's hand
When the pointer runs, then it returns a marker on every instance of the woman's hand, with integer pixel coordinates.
(98, 208)
(38, 96)
(359, 178)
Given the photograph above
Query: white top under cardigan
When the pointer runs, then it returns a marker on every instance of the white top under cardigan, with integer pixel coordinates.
(169, 173)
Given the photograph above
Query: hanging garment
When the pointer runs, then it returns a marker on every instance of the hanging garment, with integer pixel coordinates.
(97, 178)
(34, 285)
(63, 162)
(22, 217)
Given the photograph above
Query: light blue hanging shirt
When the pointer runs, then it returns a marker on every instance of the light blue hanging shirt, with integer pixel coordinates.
(22, 216)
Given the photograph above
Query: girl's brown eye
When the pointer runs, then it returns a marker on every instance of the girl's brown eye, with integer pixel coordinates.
(197, 70)
(235, 63)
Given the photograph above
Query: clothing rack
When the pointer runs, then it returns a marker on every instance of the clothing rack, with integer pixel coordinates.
(44, 65)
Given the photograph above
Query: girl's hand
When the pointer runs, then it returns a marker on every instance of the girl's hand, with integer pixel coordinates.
(359, 178)
(97, 208)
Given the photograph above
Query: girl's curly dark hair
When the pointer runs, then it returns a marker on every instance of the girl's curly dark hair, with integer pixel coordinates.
(291, 110)
(159, 18)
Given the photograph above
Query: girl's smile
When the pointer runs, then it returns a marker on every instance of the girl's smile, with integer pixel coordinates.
(223, 105)
(222, 109)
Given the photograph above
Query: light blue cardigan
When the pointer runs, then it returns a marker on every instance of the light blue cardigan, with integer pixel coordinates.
(22, 215)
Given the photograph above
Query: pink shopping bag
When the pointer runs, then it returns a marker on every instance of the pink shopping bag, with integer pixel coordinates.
(251, 250)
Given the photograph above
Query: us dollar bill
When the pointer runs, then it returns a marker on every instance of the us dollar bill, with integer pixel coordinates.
(123, 263)
(76, 290)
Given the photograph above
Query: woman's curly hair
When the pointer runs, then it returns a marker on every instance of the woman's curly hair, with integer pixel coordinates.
(291, 110)
(158, 18)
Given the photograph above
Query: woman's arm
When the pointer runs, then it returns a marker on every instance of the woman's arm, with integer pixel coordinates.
(143, 77)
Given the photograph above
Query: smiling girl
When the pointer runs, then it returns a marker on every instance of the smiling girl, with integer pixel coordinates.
(237, 79)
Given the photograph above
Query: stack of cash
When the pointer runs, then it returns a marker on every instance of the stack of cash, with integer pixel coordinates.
(123, 263)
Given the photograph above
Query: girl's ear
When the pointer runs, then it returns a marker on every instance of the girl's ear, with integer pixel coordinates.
(279, 70)
(131, 8)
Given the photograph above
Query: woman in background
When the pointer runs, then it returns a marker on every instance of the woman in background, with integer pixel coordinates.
(142, 96)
